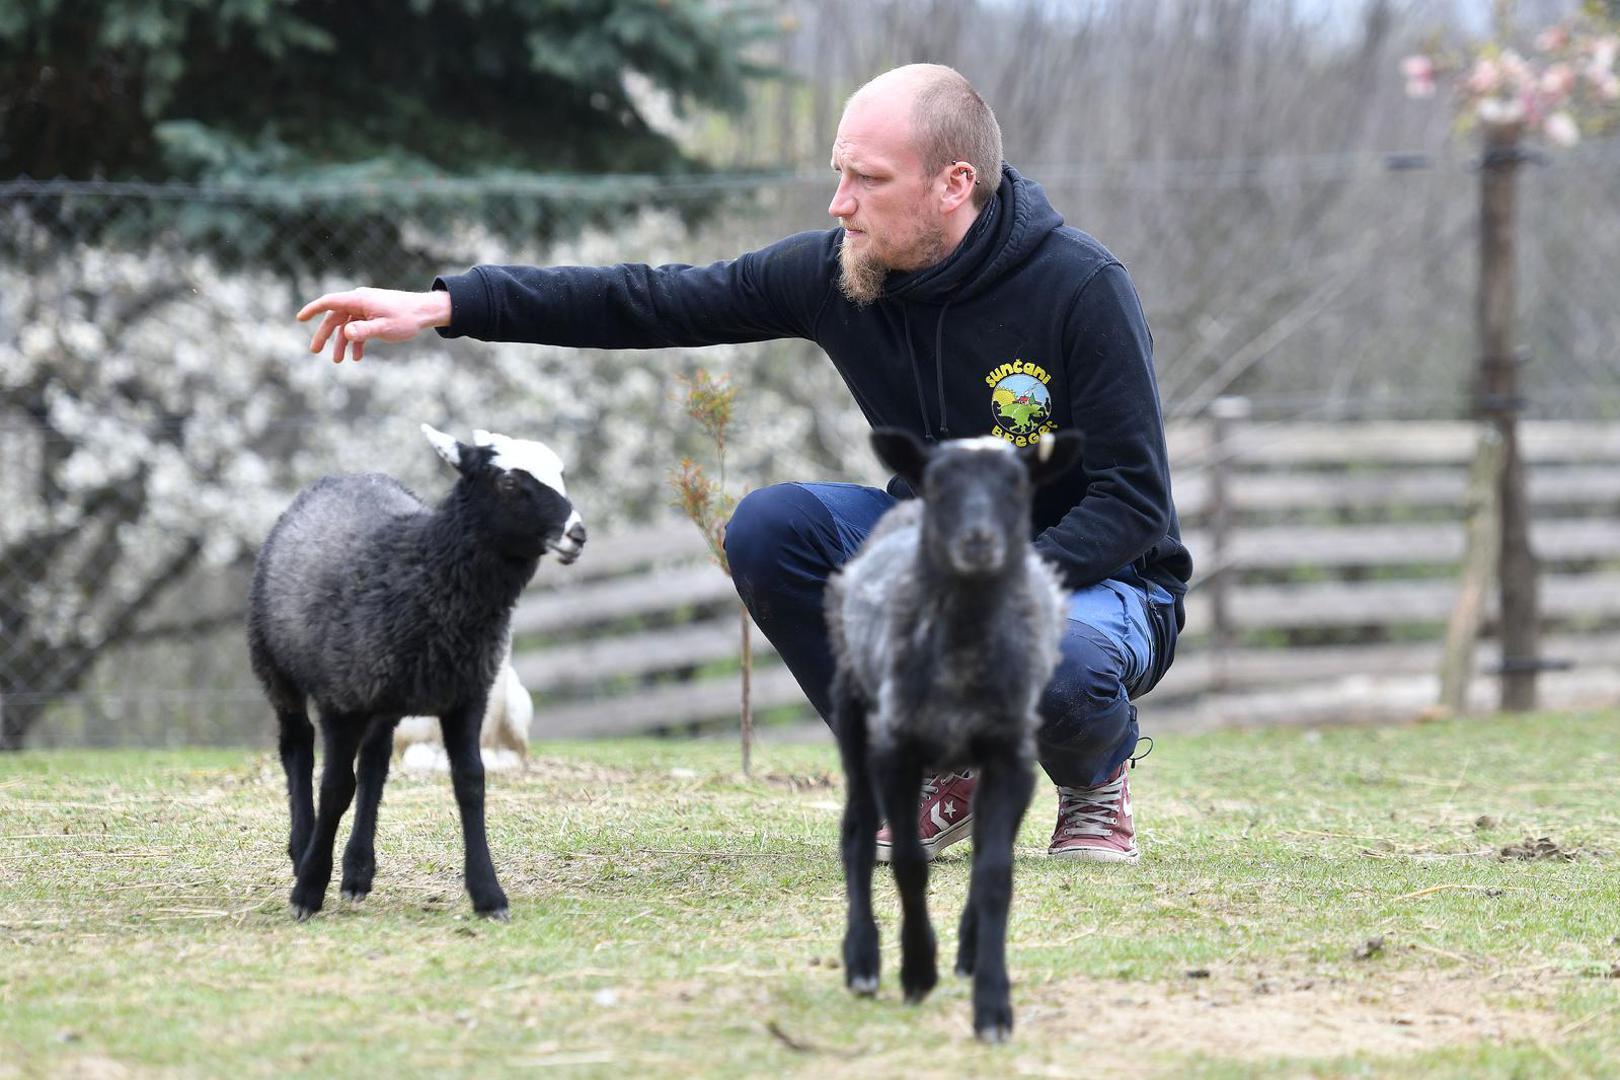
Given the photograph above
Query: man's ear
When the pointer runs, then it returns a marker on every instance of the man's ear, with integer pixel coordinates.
(1050, 456)
(903, 452)
(960, 180)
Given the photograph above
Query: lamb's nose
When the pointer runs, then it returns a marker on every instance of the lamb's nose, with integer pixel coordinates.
(576, 532)
(977, 549)
(977, 539)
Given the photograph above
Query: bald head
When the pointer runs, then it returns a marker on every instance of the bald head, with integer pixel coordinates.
(943, 117)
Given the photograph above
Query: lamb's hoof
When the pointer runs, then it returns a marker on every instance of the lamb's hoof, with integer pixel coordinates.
(300, 913)
(964, 969)
(993, 1023)
(863, 985)
(918, 985)
(499, 914)
(355, 894)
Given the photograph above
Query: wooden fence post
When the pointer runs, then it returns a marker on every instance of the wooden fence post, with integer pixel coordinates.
(1224, 413)
(1481, 549)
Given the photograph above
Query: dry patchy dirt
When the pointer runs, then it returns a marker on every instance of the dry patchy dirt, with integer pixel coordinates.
(1152, 1028)
(1094, 1026)
(1259, 1017)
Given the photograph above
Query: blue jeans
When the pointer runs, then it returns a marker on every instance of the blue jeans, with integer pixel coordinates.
(784, 541)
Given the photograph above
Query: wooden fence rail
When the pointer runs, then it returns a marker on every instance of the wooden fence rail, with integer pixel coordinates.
(1326, 559)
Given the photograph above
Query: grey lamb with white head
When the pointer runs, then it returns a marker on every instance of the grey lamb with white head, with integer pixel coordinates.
(946, 628)
(374, 606)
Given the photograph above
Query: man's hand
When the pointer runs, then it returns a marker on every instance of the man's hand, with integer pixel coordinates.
(359, 315)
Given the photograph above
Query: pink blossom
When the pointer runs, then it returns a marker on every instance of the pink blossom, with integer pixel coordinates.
(1608, 87)
(1557, 81)
(1419, 72)
(1417, 67)
(1484, 78)
(1561, 129)
(1530, 106)
(1552, 39)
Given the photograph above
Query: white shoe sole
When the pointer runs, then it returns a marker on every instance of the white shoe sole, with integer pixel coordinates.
(959, 830)
(1091, 854)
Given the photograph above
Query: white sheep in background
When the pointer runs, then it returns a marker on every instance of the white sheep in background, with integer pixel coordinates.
(503, 741)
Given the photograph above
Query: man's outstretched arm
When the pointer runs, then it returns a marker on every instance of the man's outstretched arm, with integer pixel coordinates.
(775, 292)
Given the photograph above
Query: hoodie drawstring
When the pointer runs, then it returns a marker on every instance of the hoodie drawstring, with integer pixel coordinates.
(916, 375)
(939, 372)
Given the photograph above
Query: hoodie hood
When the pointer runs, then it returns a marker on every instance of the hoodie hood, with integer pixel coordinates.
(1006, 232)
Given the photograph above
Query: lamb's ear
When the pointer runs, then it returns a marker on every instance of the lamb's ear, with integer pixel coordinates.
(903, 452)
(1052, 455)
(448, 448)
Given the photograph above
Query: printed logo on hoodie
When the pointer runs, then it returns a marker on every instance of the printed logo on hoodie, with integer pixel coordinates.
(1020, 401)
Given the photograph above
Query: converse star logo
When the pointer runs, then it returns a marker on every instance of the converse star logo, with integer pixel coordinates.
(950, 809)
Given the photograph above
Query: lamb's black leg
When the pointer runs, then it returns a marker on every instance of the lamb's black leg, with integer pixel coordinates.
(998, 809)
(340, 738)
(360, 857)
(858, 844)
(460, 730)
(900, 781)
(298, 762)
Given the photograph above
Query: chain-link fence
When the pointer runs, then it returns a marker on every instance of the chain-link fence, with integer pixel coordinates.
(158, 406)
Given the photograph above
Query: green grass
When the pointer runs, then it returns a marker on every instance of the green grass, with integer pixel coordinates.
(669, 916)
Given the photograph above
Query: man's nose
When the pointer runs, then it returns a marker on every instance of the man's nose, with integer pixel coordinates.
(843, 203)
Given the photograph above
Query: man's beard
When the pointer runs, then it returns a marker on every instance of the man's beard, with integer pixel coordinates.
(861, 275)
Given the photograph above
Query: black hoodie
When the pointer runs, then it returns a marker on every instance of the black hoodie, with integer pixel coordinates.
(1028, 326)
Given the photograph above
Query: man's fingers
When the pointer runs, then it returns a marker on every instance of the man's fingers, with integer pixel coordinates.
(333, 320)
(353, 318)
(359, 330)
(328, 302)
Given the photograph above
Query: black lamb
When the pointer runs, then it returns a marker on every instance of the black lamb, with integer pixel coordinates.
(374, 606)
(946, 627)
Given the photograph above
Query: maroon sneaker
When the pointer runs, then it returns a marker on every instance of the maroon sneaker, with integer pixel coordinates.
(946, 815)
(1094, 823)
